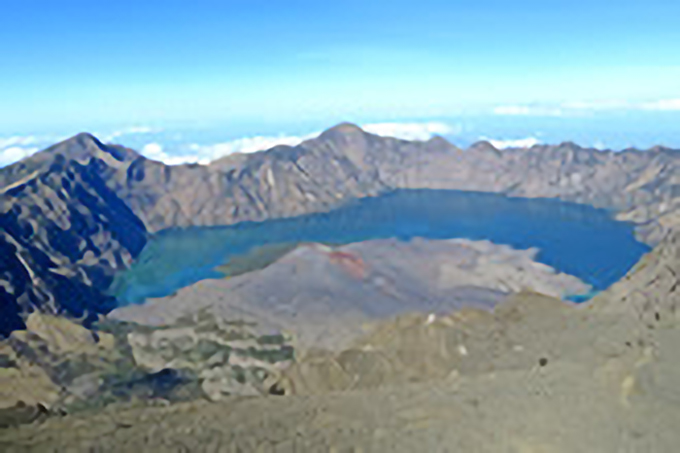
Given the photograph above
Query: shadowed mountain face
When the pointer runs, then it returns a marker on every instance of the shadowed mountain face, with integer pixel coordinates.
(63, 233)
(74, 213)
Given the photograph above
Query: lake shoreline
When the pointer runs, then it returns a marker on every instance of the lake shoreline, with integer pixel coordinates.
(554, 227)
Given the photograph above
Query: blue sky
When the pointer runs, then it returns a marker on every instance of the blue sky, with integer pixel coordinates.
(249, 66)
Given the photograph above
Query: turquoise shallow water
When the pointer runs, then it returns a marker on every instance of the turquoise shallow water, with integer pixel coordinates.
(576, 239)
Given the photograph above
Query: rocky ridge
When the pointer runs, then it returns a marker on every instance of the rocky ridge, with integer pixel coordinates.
(63, 232)
(110, 189)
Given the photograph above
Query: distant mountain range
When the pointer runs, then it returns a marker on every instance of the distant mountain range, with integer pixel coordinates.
(73, 214)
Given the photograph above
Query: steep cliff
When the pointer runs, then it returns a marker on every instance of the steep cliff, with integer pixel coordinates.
(63, 233)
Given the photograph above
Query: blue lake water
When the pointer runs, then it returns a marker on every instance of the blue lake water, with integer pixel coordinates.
(576, 239)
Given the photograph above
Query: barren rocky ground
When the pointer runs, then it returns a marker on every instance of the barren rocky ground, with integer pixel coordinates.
(534, 375)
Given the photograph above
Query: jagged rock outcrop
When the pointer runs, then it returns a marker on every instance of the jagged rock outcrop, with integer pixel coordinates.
(56, 366)
(63, 233)
(46, 363)
(227, 357)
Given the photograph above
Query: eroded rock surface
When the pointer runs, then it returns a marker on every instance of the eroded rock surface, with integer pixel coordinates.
(49, 362)
(227, 357)
(57, 366)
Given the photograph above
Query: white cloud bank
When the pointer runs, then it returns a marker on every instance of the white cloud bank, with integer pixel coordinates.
(248, 145)
(608, 104)
(513, 143)
(410, 131)
(17, 140)
(527, 110)
(15, 148)
(663, 104)
(155, 151)
(133, 130)
(13, 154)
(572, 107)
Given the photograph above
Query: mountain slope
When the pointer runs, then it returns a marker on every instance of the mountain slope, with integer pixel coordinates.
(62, 234)
(650, 292)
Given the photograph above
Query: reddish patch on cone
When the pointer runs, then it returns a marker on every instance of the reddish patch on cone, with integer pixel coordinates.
(352, 264)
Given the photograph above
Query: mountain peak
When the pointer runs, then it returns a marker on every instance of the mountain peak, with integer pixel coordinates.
(660, 149)
(348, 140)
(81, 146)
(485, 147)
(85, 137)
(570, 145)
(84, 145)
(80, 141)
(343, 129)
(439, 141)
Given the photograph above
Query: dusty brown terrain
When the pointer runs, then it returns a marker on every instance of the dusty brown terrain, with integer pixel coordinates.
(56, 366)
(535, 375)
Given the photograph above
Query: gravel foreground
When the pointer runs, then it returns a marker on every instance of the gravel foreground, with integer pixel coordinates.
(614, 390)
